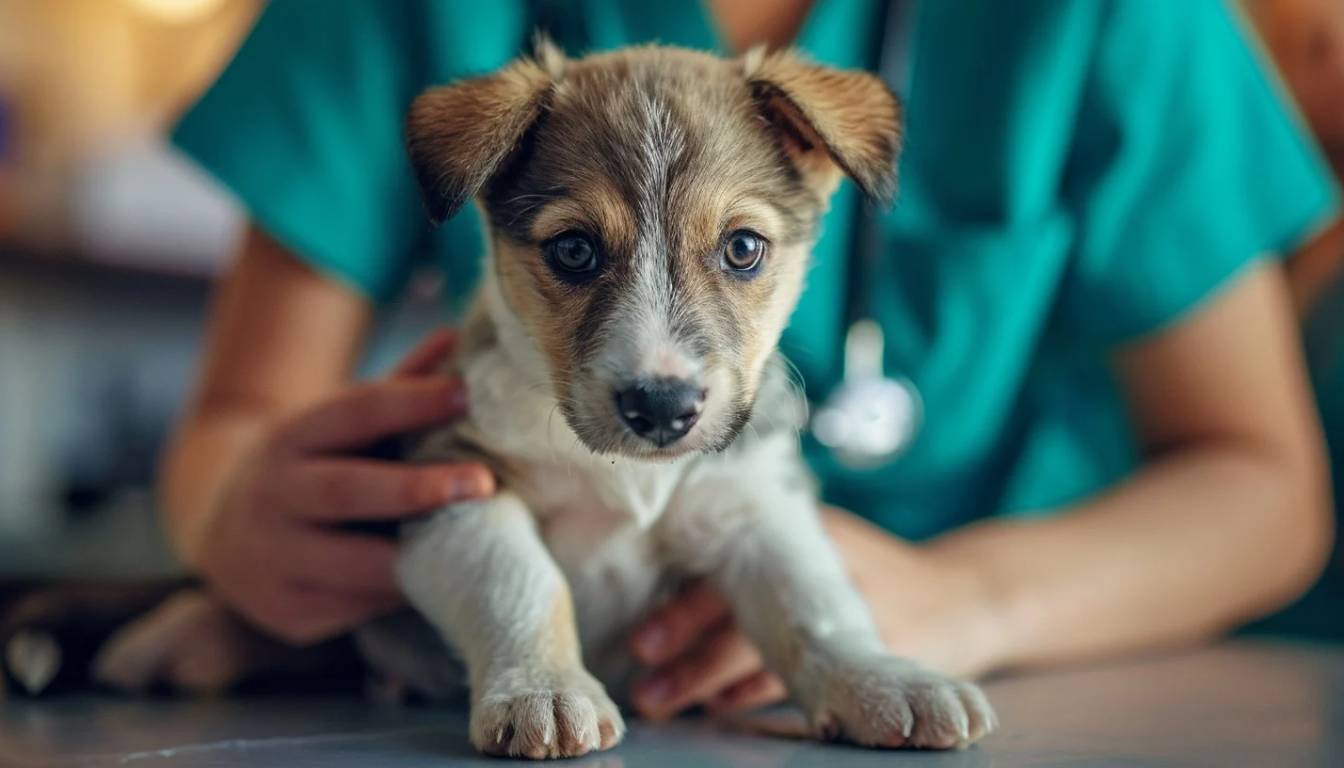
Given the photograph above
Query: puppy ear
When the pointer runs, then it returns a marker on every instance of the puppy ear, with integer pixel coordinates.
(830, 121)
(460, 135)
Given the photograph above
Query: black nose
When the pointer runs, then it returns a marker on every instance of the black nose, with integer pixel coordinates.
(661, 411)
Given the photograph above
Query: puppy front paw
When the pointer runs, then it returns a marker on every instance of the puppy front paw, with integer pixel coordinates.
(883, 701)
(541, 714)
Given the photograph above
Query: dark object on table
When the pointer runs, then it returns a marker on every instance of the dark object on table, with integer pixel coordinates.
(49, 633)
(52, 633)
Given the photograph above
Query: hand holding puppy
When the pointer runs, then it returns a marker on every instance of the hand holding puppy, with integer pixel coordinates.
(274, 547)
(698, 657)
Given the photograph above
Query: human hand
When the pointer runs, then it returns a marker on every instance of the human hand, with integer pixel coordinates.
(926, 608)
(698, 656)
(275, 547)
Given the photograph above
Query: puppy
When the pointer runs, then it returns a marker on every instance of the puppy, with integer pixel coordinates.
(650, 214)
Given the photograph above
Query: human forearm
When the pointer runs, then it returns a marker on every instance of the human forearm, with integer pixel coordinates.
(1227, 518)
(202, 457)
(1197, 542)
(281, 337)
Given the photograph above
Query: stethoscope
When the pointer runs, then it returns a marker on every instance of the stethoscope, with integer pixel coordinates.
(872, 416)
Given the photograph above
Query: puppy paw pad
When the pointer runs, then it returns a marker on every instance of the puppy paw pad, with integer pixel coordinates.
(887, 702)
(550, 721)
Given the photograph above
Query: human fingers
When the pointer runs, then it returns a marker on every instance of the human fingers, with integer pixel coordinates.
(332, 489)
(673, 628)
(429, 355)
(754, 691)
(698, 676)
(366, 413)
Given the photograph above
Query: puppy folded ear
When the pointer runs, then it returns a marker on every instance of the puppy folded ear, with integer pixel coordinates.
(829, 121)
(460, 135)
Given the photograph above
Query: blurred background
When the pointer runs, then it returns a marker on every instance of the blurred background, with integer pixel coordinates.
(109, 241)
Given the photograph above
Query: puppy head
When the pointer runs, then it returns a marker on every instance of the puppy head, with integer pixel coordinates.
(650, 213)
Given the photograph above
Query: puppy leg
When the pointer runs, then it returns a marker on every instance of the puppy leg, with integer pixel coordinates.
(763, 544)
(481, 575)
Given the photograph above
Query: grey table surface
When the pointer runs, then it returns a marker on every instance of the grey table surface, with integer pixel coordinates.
(1242, 703)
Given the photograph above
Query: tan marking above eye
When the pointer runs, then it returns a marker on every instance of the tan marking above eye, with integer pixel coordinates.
(559, 216)
(710, 218)
(595, 209)
(755, 215)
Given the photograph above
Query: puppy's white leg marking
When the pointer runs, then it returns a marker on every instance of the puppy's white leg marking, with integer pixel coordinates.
(763, 544)
(479, 572)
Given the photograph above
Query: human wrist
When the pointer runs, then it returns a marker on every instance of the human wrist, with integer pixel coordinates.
(204, 467)
(186, 536)
(984, 613)
(189, 520)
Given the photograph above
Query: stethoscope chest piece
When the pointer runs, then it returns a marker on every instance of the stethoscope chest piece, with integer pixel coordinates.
(869, 418)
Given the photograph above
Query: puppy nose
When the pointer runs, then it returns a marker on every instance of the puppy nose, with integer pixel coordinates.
(662, 410)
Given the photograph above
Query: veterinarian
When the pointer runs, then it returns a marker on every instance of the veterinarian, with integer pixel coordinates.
(1078, 286)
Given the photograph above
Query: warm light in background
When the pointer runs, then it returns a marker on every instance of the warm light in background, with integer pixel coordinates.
(176, 11)
(80, 79)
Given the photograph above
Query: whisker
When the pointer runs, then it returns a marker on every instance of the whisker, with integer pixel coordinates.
(550, 436)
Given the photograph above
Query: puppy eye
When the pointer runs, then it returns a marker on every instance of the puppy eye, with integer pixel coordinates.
(743, 251)
(572, 255)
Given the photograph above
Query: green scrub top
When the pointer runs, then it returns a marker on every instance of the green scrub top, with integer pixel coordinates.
(1076, 175)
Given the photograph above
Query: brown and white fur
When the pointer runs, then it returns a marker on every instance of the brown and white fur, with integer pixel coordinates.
(657, 155)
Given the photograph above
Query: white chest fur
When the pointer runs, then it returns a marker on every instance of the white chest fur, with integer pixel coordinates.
(596, 521)
(595, 514)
